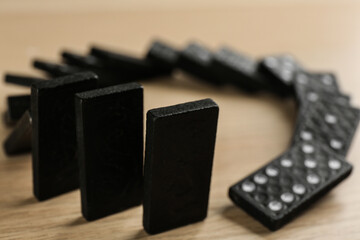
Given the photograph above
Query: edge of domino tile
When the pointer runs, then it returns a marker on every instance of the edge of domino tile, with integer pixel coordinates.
(73, 78)
(182, 108)
(109, 90)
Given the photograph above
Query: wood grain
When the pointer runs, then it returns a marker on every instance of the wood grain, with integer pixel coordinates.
(252, 129)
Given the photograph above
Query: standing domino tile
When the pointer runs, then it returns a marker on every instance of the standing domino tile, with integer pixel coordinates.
(197, 61)
(239, 69)
(19, 140)
(55, 163)
(110, 143)
(282, 189)
(180, 143)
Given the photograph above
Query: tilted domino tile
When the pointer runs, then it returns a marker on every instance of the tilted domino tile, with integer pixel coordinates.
(332, 124)
(134, 68)
(196, 60)
(55, 162)
(110, 147)
(16, 106)
(314, 87)
(309, 95)
(55, 70)
(312, 97)
(117, 60)
(81, 61)
(279, 70)
(162, 55)
(19, 140)
(307, 85)
(21, 80)
(238, 69)
(107, 76)
(278, 192)
(180, 143)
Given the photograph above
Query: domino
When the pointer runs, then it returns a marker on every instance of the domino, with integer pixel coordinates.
(180, 143)
(163, 55)
(282, 189)
(238, 69)
(54, 155)
(280, 70)
(309, 85)
(339, 100)
(20, 80)
(55, 70)
(332, 124)
(107, 76)
(19, 140)
(196, 60)
(16, 106)
(110, 148)
(135, 68)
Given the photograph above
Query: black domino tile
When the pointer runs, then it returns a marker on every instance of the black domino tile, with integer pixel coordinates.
(196, 60)
(134, 68)
(278, 192)
(237, 69)
(332, 124)
(311, 96)
(280, 70)
(16, 106)
(107, 76)
(21, 80)
(19, 140)
(180, 142)
(110, 142)
(55, 70)
(307, 85)
(162, 55)
(55, 162)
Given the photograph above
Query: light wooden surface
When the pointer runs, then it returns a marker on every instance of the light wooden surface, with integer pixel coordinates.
(324, 35)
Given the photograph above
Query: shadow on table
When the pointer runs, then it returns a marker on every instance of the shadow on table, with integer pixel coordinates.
(77, 222)
(239, 217)
(141, 234)
(24, 202)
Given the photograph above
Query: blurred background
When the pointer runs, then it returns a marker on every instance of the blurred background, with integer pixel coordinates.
(324, 35)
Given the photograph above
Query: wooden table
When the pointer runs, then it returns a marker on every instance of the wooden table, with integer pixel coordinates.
(324, 35)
